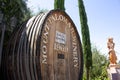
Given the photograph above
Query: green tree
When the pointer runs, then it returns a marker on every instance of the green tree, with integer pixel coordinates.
(13, 9)
(99, 68)
(15, 12)
(59, 4)
(100, 64)
(85, 38)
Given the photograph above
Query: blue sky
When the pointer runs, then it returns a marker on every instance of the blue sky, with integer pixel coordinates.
(103, 19)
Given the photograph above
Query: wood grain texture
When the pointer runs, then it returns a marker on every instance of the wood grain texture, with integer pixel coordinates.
(61, 53)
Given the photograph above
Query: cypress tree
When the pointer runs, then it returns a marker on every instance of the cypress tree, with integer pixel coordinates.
(85, 38)
(59, 4)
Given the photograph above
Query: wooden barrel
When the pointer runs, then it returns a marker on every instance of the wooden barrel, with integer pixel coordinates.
(46, 47)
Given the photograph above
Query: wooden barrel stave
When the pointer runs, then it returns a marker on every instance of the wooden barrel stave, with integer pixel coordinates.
(21, 59)
(37, 26)
(26, 50)
(30, 47)
(16, 59)
(12, 57)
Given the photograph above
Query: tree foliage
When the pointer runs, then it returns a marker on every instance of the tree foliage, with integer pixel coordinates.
(59, 4)
(14, 8)
(100, 64)
(85, 38)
